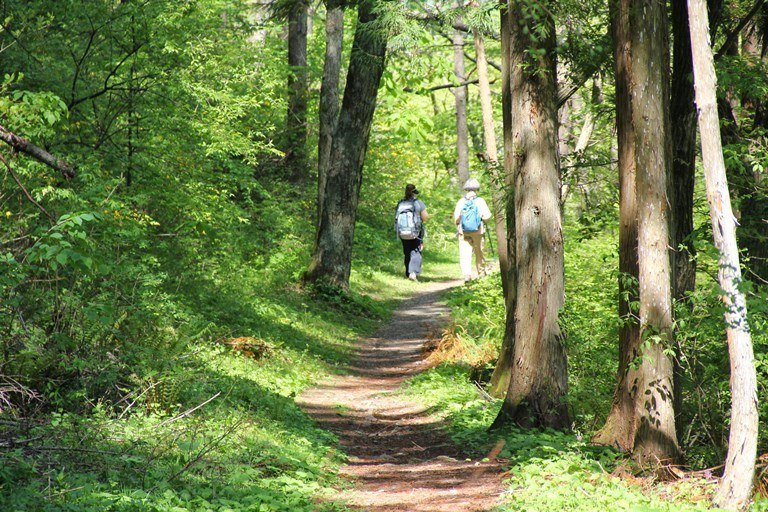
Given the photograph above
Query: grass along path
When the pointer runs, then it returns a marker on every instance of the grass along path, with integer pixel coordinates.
(399, 457)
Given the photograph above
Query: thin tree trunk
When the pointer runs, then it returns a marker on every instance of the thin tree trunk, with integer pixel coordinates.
(589, 118)
(652, 378)
(298, 84)
(332, 256)
(736, 486)
(258, 13)
(539, 383)
(460, 95)
(585, 134)
(503, 370)
(492, 157)
(619, 428)
(329, 92)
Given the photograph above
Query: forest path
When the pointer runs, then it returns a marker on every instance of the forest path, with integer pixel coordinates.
(399, 458)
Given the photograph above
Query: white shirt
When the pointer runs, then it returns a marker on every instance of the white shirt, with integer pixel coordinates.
(485, 212)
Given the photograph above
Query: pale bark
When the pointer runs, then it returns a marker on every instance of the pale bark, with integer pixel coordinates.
(619, 428)
(538, 385)
(503, 370)
(332, 256)
(736, 486)
(582, 141)
(257, 14)
(460, 95)
(329, 92)
(652, 378)
(588, 126)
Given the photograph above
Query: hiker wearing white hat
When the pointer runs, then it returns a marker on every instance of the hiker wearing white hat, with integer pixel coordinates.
(470, 215)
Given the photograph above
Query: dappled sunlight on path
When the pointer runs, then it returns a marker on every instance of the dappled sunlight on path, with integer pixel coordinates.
(399, 457)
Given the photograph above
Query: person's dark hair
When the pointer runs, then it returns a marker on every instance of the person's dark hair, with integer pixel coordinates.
(410, 191)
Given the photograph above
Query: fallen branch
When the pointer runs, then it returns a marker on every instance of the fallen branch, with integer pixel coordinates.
(26, 192)
(73, 449)
(125, 411)
(483, 393)
(12, 443)
(202, 453)
(24, 146)
(187, 412)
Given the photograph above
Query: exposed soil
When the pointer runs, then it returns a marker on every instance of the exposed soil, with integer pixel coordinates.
(399, 458)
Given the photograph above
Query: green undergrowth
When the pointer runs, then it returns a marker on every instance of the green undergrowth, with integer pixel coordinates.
(556, 471)
(217, 428)
(547, 470)
(204, 418)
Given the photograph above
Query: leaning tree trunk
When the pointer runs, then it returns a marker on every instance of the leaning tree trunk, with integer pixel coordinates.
(652, 378)
(503, 370)
(736, 486)
(539, 381)
(329, 92)
(332, 257)
(460, 95)
(298, 84)
(619, 428)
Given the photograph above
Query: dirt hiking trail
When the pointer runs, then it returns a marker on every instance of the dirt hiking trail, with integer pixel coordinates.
(399, 459)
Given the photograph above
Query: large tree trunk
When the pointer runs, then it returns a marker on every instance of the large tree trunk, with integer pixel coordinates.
(539, 383)
(298, 84)
(503, 370)
(329, 92)
(332, 257)
(619, 428)
(460, 95)
(736, 486)
(683, 111)
(652, 378)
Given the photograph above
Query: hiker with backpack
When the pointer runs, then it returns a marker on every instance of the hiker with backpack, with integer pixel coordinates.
(410, 215)
(470, 215)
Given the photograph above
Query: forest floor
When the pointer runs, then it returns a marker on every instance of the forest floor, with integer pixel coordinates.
(400, 459)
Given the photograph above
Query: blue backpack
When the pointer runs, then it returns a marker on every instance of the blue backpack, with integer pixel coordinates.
(470, 217)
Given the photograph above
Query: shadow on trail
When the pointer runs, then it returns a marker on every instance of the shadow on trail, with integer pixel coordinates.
(401, 458)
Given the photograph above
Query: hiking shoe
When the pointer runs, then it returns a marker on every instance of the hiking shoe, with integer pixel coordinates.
(412, 276)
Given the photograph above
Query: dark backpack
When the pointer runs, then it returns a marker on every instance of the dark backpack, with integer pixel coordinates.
(407, 221)
(470, 216)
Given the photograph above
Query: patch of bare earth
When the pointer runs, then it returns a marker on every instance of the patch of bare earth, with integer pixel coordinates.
(399, 458)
